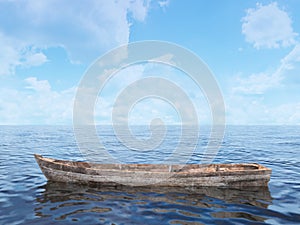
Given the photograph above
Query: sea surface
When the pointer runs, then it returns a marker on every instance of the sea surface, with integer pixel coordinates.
(26, 197)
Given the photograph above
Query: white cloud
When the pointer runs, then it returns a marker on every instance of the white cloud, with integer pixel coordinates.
(39, 105)
(242, 110)
(15, 53)
(286, 114)
(9, 55)
(268, 27)
(257, 83)
(261, 82)
(293, 57)
(144, 111)
(38, 85)
(253, 110)
(84, 29)
(164, 3)
(139, 9)
(35, 59)
(253, 101)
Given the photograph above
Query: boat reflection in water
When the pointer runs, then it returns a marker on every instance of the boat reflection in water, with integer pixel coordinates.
(146, 205)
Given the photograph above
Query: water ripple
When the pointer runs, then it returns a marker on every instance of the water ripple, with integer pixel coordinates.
(27, 198)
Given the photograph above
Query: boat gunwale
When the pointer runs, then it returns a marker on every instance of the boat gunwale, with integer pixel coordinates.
(67, 165)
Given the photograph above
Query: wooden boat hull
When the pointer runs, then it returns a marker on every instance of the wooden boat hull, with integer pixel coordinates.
(158, 175)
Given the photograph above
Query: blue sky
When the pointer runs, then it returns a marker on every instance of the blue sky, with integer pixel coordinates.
(252, 47)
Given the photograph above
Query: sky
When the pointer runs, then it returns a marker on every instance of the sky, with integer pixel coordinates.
(251, 47)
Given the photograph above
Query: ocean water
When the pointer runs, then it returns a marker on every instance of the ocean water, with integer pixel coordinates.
(26, 197)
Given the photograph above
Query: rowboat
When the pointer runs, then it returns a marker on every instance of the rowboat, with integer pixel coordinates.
(157, 175)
